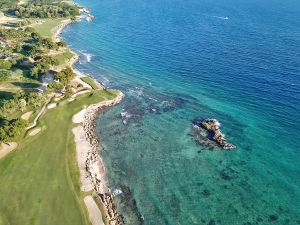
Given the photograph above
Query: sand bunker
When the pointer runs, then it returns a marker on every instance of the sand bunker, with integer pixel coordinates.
(6, 148)
(93, 210)
(51, 106)
(26, 115)
(78, 117)
(35, 131)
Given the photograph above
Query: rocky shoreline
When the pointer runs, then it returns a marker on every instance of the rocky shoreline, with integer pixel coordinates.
(95, 173)
(57, 30)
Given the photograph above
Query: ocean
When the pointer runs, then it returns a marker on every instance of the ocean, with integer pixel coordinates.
(176, 61)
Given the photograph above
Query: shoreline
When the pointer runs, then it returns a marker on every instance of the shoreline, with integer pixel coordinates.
(57, 30)
(91, 166)
(89, 161)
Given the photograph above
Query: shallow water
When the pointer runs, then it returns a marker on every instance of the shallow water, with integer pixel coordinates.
(180, 60)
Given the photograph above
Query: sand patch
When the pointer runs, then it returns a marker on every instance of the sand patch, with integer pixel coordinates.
(51, 106)
(6, 148)
(26, 115)
(93, 210)
(4, 19)
(35, 131)
(71, 99)
(78, 117)
(78, 80)
(82, 149)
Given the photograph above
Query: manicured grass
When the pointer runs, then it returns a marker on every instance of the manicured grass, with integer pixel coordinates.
(39, 182)
(91, 82)
(64, 57)
(45, 29)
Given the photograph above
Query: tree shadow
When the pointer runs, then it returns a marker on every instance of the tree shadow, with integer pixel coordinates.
(6, 95)
(26, 85)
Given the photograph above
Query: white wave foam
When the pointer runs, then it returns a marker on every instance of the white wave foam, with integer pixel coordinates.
(88, 57)
(137, 91)
(126, 115)
(85, 57)
(117, 192)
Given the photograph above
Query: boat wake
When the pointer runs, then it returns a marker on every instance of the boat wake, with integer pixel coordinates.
(222, 17)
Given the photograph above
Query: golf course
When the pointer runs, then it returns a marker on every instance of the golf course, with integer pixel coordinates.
(39, 181)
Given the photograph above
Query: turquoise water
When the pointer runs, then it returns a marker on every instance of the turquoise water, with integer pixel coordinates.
(176, 61)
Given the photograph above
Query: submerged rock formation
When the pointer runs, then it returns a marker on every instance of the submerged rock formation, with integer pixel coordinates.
(214, 132)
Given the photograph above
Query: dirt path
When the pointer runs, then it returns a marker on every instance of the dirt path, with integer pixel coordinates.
(39, 114)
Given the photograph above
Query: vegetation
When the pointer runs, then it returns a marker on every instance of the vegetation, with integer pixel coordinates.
(8, 3)
(44, 188)
(57, 86)
(45, 10)
(64, 57)
(91, 82)
(11, 129)
(20, 103)
(5, 64)
(65, 76)
(45, 28)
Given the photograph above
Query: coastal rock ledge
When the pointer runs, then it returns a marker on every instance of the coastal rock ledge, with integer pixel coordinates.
(212, 126)
(94, 175)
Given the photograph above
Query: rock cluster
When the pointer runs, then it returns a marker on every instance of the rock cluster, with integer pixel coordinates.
(114, 217)
(213, 126)
(94, 164)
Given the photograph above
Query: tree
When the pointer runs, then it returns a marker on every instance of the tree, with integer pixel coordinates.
(5, 64)
(65, 76)
(56, 86)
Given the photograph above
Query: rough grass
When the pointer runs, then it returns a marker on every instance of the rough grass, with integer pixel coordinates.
(45, 29)
(40, 180)
(64, 57)
(91, 82)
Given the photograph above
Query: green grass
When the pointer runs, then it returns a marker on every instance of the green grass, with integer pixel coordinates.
(64, 57)
(91, 82)
(39, 182)
(45, 29)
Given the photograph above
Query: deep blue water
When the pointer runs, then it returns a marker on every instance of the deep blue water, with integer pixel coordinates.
(176, 61)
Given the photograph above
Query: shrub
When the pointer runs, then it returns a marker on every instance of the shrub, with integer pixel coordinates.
(56, 86)
(5, 64)
(65, 76)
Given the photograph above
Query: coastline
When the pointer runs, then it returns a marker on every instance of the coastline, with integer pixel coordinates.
(91, 166)
(89, 161)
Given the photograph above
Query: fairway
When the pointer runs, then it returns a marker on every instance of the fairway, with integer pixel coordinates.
(39, 182)
(45, 29)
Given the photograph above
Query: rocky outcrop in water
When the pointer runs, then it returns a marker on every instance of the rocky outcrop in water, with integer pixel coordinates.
(214, 132)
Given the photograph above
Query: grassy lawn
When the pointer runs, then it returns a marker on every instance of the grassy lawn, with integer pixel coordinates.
(90, 81)
(64, 57)
(39, 182)
(45, 29)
